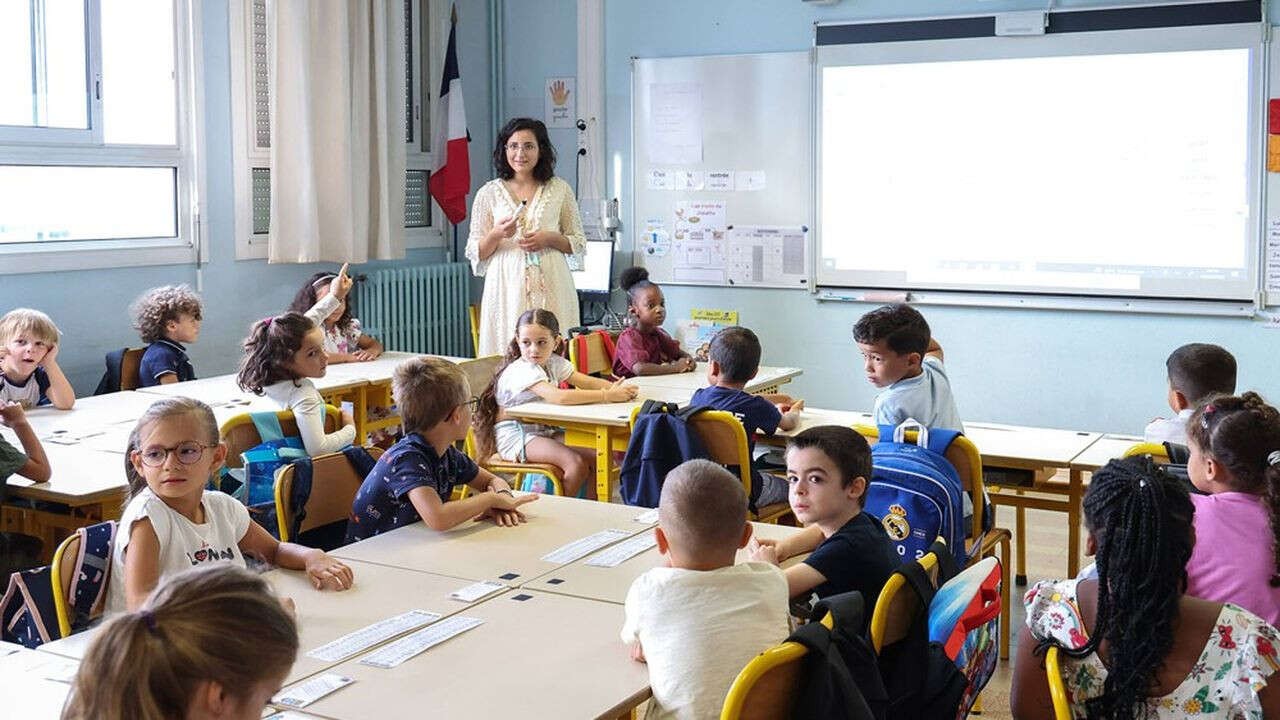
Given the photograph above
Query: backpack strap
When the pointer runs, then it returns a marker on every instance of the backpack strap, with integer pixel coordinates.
(688, 411)
(658, 406)
(947, 566)
(609, 347)
(580, 353)
(268, 426)
(823, 657)
(848, 609)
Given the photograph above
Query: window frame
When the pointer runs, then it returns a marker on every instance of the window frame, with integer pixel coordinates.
(69, 147)
(248, 155)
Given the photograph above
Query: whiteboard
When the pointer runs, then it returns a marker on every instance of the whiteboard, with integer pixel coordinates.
(722, 163)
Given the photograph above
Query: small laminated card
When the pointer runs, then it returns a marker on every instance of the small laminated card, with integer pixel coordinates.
(309, 691)
(366, 637)
(648, 517)
(475, 591)
(401, 650)
(584, 546)
(624, 551)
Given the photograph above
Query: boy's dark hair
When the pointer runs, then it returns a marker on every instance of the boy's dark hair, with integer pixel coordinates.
(271, 343)
(1199, 370)
(846, 448)
(901, 326)
(737, 350)
(157, 306)
(306, 297)
(545, 169)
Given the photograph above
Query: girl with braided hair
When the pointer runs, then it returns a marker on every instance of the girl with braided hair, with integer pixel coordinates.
(1235, 457)
(1133, 644)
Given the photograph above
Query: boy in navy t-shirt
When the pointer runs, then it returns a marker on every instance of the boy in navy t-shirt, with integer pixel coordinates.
(827, 470)
(166, 317)
(735, 359)
(414, 479)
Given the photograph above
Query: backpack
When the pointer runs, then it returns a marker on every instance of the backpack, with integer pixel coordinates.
(326, 537)
(254, 483)
(28, 611)
(660, 440)
(840, 677)
(922, 682)
(964, 620)
(916, 493)
(110, 381)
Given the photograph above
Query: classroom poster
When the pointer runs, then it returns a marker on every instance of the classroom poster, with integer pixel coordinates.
(558, 102)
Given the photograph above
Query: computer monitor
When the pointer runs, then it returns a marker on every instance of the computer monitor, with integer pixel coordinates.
(595, 278)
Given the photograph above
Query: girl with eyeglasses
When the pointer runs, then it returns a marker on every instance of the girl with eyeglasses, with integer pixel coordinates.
(171, 523)
(525, 234)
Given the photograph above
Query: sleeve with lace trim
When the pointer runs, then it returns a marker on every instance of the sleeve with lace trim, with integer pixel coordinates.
(1256, 660)
(481, 225)
(571, 226)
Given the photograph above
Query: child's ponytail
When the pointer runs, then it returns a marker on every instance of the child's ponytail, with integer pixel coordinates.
(633, 280)
(271, 344)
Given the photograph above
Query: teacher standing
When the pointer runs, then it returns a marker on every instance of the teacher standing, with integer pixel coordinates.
(525, 231)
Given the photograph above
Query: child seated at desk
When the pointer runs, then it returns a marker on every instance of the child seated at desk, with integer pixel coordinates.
(165, 318)
(211, 642)
(414, 479)
(324, 299)
(735, 359)
(172, 523)
(645, 348)
(29, 372)
(698, 621)
(531, 371)
(1196, 372)
(18, 551)
(827, 469)
(901, 355)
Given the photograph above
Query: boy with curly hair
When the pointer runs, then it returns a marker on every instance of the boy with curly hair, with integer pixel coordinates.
(166, 317)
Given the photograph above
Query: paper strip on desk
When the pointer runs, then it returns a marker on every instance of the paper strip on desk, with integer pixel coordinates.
(648, 517)
(309, 691)
(407, 647)
(475, 591)
(366, 637)
(624, 551)
(582, 547)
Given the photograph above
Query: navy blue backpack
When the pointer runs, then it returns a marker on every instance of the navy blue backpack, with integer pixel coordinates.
(660, 440)
(28, 611)
(915, 491)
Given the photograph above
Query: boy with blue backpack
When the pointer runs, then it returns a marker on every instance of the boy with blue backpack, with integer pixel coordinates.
(827, 471)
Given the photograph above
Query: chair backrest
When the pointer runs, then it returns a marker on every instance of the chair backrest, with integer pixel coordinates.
(767, 688)
(964, 457)
(65, 565)
(239, 433)
(64, 570)
(1057, 689)
(130, 363)
(480, 372)
(591, 353)
(897, 607)
(1157, 451)
(724, 438)
(334, 484)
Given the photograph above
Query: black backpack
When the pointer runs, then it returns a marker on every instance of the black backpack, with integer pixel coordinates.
(922, 682)
(660, 440)
(841, 679)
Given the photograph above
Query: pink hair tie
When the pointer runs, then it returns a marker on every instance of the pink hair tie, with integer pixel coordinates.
(267, 322)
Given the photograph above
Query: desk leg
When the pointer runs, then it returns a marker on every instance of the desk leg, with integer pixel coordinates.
(1075, 493)
(361, 403)
(604, 464)
(1021, 550)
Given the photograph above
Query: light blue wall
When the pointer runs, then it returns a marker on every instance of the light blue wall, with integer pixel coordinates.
(1062, 369)
(541, 43)
(90, 306)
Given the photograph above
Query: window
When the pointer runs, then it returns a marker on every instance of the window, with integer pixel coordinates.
(97, 134)
(251, 121)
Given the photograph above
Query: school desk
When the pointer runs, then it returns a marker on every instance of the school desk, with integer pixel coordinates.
(611, 584)
(376, 392)
(535, 655)
(1107, 448)
(89, 414)
(73, 647)
(25, 685)
(767, 380)
(484, 551)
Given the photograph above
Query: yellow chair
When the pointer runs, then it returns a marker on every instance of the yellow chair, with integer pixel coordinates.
(239, 433)
(334, 484)
(592, 353)
(964, 457)
(1155, 450)
(896, 611)
(130, 366)
(63, 572)
(1057, 689)
(767, 687)
(473, 314)
(725, 439)
(479, 374)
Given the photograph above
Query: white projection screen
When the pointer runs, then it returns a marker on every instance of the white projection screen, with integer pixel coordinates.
(1118, 163)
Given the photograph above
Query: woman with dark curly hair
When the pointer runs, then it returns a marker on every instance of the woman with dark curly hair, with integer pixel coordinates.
(166, 317)
(1133, 643)
(525, 232)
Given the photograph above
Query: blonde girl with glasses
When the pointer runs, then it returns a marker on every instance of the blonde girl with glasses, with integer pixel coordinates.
(525, 235)
(171, 523)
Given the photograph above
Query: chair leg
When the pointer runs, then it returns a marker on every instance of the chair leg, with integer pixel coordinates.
(1021, 540)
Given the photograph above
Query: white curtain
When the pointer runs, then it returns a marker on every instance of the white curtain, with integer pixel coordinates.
(337, 130)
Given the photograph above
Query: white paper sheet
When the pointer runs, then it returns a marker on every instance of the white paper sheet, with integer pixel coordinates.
(582, 547)
(475, 591)
(719, 180)
(355, 642)
(407, 647)
(309, 691)
(623, 551)
(1273, 256)
(675, 123)
(648, 517)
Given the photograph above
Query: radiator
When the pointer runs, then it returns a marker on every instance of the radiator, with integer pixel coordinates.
(418, 309)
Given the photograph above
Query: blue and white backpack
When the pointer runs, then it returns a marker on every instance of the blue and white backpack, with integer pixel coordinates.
(28, 610)
(915, 491)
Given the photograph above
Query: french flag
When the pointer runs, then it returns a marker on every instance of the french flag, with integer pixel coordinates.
(451, 176)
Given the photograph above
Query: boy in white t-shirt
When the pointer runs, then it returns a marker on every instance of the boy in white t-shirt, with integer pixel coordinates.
(700, 620)
(900, 355)
(1197, 372)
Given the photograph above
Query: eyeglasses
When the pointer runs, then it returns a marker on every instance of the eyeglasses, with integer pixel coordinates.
(517, 147)
(473, 404)
(189, 453)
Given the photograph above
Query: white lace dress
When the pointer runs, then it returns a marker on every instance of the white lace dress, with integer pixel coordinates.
(516, 281)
